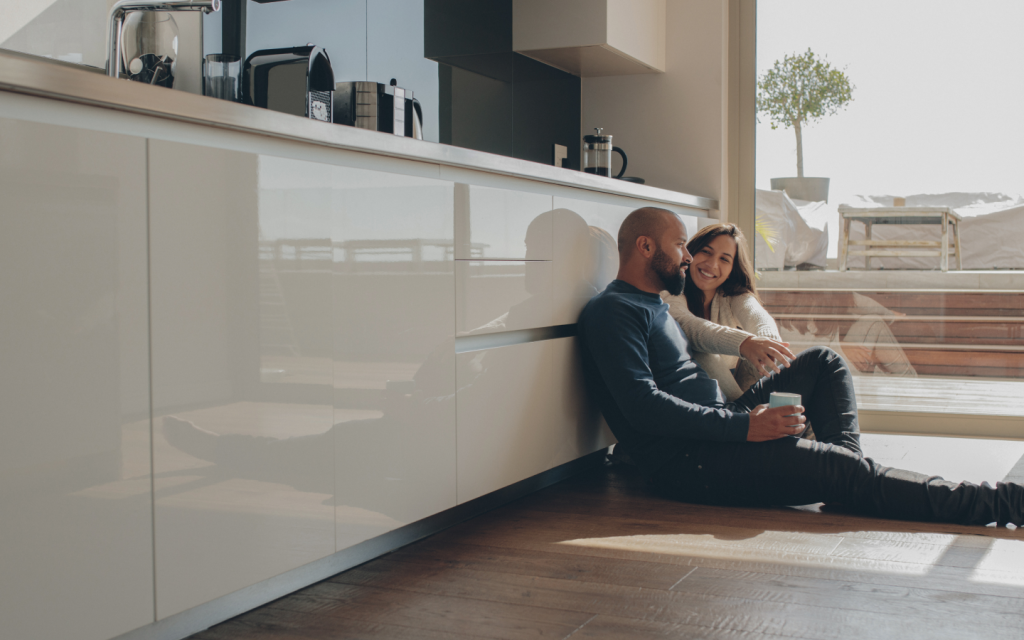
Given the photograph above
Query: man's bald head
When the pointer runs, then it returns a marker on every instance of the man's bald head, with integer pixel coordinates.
(646, 221)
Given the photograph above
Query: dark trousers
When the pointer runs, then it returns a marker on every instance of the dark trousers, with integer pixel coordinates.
(793, 471)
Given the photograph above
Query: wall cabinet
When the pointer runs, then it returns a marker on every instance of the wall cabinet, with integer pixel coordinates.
(591, 38)
(75, 502)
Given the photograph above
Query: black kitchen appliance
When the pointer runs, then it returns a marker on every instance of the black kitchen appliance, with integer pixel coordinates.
(298, 80)
(378, 107)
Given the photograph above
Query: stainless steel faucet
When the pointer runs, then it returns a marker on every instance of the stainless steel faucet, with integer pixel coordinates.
(116, 21)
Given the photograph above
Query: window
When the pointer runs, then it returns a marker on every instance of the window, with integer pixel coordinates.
(933, 126)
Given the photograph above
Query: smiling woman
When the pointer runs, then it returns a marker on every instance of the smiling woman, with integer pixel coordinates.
(720, 289)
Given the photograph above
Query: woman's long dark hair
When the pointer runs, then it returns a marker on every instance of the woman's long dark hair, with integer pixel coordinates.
(741, 280)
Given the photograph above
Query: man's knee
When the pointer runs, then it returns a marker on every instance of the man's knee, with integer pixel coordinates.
(821, 355)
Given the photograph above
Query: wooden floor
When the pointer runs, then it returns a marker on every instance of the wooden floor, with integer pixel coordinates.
(598, 557)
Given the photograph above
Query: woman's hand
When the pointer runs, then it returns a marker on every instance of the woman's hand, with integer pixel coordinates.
(765, 354)
(772, 424)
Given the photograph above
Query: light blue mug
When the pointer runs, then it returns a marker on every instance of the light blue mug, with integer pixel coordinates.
(781, 399)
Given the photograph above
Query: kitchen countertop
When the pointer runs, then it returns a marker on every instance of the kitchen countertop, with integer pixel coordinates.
(22, 74)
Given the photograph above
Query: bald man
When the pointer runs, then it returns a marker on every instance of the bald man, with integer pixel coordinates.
(693, 446)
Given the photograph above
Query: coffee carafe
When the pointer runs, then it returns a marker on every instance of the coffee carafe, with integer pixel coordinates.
(597, 154)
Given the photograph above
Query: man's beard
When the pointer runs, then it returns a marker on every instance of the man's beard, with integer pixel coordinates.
(670, 273)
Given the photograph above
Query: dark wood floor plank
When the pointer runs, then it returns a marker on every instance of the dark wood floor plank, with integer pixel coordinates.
(636, 573)
(604, 627)
(276, 624)
(1001, 611)
(429, 611)
(547, 537)
(786, 619)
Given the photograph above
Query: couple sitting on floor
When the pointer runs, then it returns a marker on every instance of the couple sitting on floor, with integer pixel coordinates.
(666, 372)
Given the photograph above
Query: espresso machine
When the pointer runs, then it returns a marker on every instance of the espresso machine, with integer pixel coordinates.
(378, 107)
(296, 80)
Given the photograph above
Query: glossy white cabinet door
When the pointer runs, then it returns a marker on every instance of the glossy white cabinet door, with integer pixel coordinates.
(586, 250)
(501, 224)
(522, 410)
(494, 295)
(394, 355)
(75, 504)
(242, 375)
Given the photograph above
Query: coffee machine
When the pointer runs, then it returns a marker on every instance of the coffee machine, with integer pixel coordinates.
(297, 80)
(378, 107)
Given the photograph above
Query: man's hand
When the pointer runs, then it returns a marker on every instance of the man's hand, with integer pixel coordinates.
(772, 424)
(765, 354)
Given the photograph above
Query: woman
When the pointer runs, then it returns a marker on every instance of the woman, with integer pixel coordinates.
(720, 290)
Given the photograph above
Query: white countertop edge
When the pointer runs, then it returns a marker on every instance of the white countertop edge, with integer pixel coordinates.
(19, 74)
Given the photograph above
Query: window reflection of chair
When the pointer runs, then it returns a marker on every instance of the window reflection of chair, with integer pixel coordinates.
(401, 250)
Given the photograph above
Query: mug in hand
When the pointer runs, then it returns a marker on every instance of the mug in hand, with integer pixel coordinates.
(780, 399)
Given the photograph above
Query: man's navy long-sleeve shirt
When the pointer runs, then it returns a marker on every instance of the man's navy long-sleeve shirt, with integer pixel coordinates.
(638, 368)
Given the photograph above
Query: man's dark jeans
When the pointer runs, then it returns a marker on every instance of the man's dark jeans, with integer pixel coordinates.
(792, 471)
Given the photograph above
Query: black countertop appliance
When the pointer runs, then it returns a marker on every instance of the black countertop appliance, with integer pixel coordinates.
(378, 107)
(298, 80)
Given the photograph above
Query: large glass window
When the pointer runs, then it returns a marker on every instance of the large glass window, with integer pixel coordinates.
(887, 130)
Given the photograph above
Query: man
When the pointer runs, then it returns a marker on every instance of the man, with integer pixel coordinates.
(673, 420)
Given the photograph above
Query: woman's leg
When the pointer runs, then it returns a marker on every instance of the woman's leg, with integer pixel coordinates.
(825, 385)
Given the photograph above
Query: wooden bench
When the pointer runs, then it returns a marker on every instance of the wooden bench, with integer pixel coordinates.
(871, 216)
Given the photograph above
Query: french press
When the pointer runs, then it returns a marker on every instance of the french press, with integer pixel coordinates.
(597, 155)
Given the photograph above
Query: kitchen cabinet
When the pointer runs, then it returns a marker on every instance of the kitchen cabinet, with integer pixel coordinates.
(393, 350)
(240, 252)
(519, 414)
(591, 38)
(586, 254)
(502, 224)
(495, 295)
(75, 502)
(231, 355)
(586, 251)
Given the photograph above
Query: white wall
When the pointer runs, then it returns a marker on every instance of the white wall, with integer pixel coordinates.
(671, 125)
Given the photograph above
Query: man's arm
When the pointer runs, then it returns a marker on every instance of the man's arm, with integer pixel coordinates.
(617, 342)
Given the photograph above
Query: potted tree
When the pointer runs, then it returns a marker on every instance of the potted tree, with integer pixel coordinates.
(796, 91)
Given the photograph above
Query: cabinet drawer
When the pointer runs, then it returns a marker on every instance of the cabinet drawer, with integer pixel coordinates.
(493, 296)
(521, 410)
(501, 224)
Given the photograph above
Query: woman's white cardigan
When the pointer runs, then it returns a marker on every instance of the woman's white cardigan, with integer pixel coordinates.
(716, 342)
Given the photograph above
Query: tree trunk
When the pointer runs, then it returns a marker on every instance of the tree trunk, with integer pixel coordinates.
(799, 149)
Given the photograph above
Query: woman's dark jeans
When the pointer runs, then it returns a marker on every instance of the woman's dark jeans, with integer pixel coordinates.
(792, 471)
